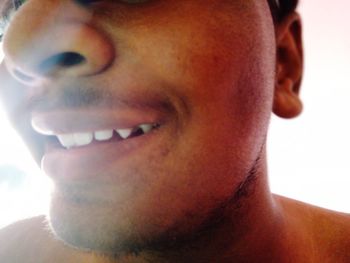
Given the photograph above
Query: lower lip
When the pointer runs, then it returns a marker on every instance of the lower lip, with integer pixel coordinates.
(97, 161)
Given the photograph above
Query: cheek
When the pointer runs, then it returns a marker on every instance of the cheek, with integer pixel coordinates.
(230, 88)
(211, 65)
(227, 81)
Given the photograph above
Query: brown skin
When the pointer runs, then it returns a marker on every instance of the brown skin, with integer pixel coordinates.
(199, 193)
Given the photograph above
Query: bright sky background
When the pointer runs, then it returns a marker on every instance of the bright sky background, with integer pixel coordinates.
(308, 157)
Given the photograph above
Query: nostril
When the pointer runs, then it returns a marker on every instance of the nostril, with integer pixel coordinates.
(62, 60)
(22, 76)
(86, 2)
(69, 59)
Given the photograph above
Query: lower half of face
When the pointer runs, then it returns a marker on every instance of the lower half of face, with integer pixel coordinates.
(166, 189)
(214, 63)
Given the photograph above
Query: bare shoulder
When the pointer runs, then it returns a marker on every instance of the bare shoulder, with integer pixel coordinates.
(329, 230)
(30, 241)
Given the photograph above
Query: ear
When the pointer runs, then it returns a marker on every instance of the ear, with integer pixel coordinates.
(289, 67)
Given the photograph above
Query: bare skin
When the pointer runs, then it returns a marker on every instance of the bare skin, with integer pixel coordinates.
(209, 74)
(309, 234)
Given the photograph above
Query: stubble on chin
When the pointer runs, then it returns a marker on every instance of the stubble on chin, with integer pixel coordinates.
(86, 229)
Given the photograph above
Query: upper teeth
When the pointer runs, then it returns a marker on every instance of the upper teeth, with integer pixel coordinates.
(124, 133)
(69, 140)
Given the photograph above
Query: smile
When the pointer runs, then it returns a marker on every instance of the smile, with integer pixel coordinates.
(85, 145)
(70, 140)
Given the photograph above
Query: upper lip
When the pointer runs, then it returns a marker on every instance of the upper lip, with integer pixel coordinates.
(82, 107)
(89, 120)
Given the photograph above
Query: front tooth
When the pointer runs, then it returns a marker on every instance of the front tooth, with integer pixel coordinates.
(67, 140)
(146, 128)
(83, 138)
(124, 133)
(103, 135)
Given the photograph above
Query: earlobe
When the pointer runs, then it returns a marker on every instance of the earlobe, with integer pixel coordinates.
(287, 103)
(289, 67)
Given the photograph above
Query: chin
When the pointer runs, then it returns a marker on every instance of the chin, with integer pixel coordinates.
(114, 231)
(108, 230)
(93, 227)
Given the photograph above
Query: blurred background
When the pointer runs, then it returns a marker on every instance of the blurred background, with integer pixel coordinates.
(308, 157)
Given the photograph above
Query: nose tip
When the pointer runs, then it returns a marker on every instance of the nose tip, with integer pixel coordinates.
(70, 49)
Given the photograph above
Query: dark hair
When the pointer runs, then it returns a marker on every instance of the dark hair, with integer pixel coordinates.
(285, 7)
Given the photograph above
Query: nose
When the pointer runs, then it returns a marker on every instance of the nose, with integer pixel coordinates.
(55, 38)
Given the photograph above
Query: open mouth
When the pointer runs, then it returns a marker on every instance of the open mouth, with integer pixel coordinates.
(83, 155)
(70, 140)
(80, 128)
(86, 143)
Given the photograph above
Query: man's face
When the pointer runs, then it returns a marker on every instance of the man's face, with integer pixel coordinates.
(200, 72)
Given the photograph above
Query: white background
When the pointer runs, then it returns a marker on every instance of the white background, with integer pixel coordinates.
(308, 156)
